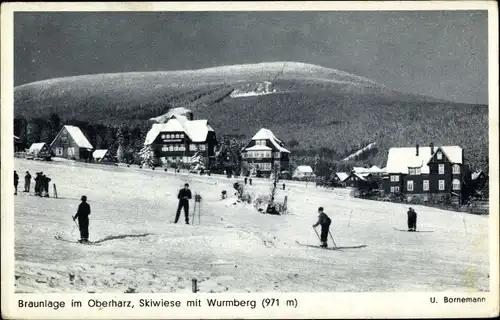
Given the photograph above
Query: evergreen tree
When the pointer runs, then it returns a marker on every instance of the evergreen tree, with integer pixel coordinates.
(55, 125)
(120, 141)
(147, 156)
(45, 133)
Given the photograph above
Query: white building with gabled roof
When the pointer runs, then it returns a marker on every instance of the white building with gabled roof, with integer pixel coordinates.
(265, 151)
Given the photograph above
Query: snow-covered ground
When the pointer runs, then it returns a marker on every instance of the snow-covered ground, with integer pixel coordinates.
(235, 248)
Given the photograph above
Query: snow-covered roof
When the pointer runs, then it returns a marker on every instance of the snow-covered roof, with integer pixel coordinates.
(36, 147)
(181, 111)
(476, 175)
(99, 153)
(342, 175)
(78, 136)
(266, 134)
(258, 148)
(196, 130)
(399, 159)
(372, 169)
(304, 169)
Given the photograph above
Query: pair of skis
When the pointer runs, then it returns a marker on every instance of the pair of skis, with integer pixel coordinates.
(60, 238)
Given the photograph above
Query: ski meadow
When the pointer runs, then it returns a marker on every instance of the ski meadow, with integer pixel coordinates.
(230, 246)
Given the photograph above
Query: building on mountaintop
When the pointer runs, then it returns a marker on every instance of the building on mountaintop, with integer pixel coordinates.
(264, 152)
(428, 173)
(71, 143)
(176, 137)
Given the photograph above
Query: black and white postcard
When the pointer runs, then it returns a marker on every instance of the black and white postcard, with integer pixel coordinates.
(250, 160)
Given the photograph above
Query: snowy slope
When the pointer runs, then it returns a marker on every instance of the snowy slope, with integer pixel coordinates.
(235, 248)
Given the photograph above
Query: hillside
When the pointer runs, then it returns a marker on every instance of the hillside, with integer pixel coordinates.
(235, 248)
(316, 107)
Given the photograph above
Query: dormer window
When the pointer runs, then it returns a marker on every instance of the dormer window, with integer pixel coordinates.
(414, 171)
(439, 155)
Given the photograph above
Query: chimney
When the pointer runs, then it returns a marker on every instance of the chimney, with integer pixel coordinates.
(416, 150)
(431, 145)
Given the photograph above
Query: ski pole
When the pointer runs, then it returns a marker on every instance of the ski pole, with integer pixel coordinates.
(317, 233)
(332, 239)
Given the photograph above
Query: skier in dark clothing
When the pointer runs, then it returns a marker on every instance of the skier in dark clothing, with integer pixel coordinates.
(46, 181)
(325, 222)
(16, 182)
(27, 182)
(38, 183)
(412, 220)
(83, 219)
(184, 196)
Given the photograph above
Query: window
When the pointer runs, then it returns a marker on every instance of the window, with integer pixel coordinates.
(441, 185)
(167, 136)
(426, 185)
(439, 156)
(164, 147)
(277, 155)
(192, 147)
(394, 178)
(170, 148)
(71, 151)
(59, 151)
(182, 147)
(394, 189)
(409, 185)
(456, 169)
(456, 184)
(163, 136)
(414, 171)
(203, 147)
(177, 136)
(182, 135)
(441, 169)
(176, 147)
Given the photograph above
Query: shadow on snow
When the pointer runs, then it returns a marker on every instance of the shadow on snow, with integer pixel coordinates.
(122, 237)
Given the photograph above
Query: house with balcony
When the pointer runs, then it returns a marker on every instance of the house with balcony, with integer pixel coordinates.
(177, 136)
(428, 173)
(265, 152)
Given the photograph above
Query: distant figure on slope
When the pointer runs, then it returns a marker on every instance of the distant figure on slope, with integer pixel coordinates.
(412, 220)
(83, 219)
(38, 183)
(27, 182)
(45, 186)
(184, 196)
(325, 222)
(16, 182)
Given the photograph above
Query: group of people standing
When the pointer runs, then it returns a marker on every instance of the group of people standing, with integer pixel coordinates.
(41, 183)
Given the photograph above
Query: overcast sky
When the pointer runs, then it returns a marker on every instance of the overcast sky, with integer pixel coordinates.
(439, 54)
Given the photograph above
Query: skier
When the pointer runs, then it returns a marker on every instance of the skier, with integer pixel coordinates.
(47, 180)
(38, 183)
(246, 180)
(184, 196)
(284, 186)
(16, 181)
(27, 182)
(325, 222)
(83, 219)
(412, 220)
